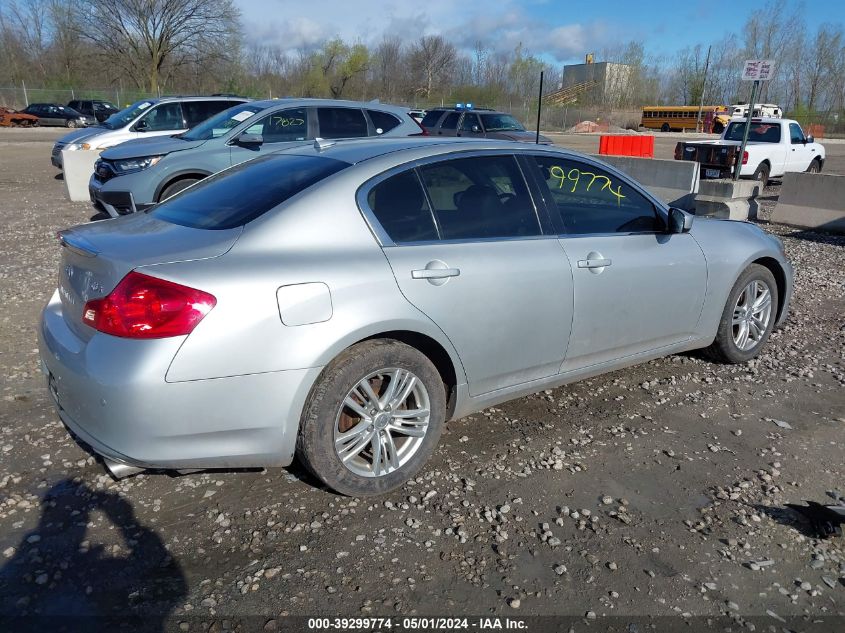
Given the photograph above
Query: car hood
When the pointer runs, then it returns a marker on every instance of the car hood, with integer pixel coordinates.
(81, 133)
(153, 146)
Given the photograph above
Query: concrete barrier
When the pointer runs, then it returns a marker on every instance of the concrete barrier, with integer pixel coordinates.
(77, 167)
(812, 201)
(673, 181)
(727, 199)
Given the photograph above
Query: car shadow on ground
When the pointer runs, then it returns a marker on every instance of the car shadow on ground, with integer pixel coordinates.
(59, 578)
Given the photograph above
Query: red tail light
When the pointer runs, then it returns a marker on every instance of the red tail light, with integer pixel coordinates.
(147, 307)
(745, 158)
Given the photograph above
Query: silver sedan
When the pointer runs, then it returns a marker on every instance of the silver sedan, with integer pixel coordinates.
(339, 303)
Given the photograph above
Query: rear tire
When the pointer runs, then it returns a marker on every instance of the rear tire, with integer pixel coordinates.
(761, 175)
(754, 316)
(70, 123)
(376, 456)
(664, 127)
(175, 187)
(718, 128)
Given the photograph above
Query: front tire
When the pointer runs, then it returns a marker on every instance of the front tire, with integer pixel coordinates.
(174, 188)
(664, 127)
(373, 418)
(815, 166)
(748, 318)
(70, 123)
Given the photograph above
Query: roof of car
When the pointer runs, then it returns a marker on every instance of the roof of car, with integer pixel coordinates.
(287, 101)
(359, 150)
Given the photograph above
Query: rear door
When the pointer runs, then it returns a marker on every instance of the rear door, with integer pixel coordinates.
(468, 249)
(636, 288)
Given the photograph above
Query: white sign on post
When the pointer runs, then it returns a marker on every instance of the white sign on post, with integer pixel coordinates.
(758, 69)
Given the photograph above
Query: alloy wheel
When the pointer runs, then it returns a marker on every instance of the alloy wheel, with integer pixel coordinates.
(751, 315)
(382, 422)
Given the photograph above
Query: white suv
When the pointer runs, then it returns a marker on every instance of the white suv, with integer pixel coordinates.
(164, 116)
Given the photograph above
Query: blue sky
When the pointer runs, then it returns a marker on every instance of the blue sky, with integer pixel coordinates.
(559, 31)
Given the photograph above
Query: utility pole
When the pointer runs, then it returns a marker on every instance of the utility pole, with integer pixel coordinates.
(25, 97)
(703, 89)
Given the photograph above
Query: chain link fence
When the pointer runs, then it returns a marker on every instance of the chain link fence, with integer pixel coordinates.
(18, 97)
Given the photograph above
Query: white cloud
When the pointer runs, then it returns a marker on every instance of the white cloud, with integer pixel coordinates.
(499, 28)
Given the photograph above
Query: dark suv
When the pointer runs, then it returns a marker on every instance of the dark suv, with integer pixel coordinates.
(97, 108)
(477, 123)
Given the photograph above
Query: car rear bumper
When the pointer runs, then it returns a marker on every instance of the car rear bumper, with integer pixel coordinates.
(112, 394)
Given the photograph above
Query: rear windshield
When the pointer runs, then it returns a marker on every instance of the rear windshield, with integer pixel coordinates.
(241, 194)
(431, 118)
(760, 132)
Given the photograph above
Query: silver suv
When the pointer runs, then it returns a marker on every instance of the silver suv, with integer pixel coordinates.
(138, 174)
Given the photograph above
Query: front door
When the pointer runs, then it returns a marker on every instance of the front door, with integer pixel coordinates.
(278, 130)
(469, 252)
(636, 288)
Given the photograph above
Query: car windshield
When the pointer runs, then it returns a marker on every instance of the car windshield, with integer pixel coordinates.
(501, 123)
(239, 195)
(69, 111)
(125, 117)
(221, 123)
(759, 132)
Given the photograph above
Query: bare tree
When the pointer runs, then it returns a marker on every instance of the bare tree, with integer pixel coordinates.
(144, 37)
(431, 58)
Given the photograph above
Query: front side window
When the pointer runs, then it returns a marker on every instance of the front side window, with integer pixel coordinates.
(164, 117)
(469, 121)
(237, 196)
(400, 206)
(796, 134)
(501, 123)
(341, 123)
(591, 200)
(480, 197)
(282, 126)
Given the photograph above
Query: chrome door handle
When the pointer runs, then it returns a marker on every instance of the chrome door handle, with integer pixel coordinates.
(594, 263)
(435, 273)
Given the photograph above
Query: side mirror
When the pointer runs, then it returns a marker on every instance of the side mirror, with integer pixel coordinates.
(680, 221)
(476, 129)
(141, 126)
(809, 139)
(249, 139)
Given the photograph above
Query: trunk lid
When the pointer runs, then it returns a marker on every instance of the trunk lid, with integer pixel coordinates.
(95, 257)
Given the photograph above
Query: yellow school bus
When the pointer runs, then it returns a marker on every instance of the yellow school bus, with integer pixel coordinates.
(714, 118)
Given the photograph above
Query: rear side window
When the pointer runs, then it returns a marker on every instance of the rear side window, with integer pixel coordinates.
(480, 197)
(451, 121)
(591, 200)
(237, 196)
(400, 206)
(431, 118)
(282, 127)
(383, 121)
(341, 122)
(198, 111)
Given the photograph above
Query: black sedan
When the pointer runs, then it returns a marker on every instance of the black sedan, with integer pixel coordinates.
(54, 114)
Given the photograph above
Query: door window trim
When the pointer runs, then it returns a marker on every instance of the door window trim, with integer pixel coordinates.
(386, 241)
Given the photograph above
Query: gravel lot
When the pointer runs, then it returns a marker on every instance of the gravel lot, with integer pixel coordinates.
(653, 491)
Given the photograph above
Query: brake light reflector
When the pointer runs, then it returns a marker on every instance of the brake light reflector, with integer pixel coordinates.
(745, 158)
(142, 306)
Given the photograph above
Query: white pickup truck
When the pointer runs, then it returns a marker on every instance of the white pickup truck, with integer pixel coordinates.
(775, 147)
